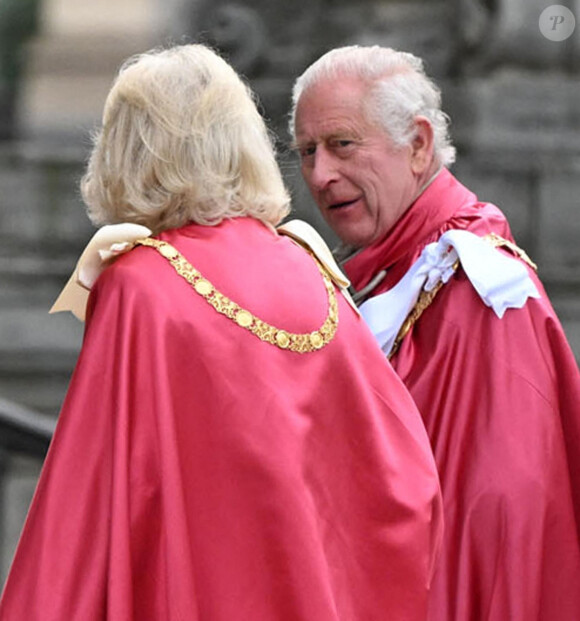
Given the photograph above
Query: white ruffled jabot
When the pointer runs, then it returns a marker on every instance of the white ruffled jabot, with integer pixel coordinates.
(502, 282)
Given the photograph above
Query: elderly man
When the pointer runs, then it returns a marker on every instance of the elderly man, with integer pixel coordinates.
(459, 310)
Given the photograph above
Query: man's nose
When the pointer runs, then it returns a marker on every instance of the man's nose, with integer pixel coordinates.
(324, 170)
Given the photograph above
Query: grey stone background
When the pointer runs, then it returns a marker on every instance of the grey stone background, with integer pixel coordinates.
(512, 94)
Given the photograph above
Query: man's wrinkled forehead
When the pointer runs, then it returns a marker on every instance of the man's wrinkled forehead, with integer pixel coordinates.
(332, 106)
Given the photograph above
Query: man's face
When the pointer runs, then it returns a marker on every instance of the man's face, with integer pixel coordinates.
(361, 182)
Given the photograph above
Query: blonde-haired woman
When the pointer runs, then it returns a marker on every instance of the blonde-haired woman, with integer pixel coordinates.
(233, 446)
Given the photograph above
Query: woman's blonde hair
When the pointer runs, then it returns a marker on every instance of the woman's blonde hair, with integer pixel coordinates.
(182, 140)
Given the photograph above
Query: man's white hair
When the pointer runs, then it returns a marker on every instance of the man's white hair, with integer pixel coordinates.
(399, 92)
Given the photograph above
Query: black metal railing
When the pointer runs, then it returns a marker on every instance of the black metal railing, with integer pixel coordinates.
(23, 430)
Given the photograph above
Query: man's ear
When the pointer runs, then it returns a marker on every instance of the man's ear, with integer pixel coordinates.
(422, 146)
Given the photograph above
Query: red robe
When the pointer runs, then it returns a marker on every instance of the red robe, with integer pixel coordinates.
(501, 402)
(198, 473)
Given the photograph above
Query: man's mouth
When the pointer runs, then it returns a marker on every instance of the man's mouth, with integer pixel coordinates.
(342, 204)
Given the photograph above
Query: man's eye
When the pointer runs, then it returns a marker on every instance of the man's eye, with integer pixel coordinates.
(339, 144)
(306, 151)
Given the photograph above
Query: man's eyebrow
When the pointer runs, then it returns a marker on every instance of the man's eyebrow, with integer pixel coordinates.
(296, 145)
(342, 134)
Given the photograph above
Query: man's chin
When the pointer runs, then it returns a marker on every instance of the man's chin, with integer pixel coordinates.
(349, 236)
(350, 231)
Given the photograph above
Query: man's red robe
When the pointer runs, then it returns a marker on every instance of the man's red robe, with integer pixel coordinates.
(199, 473)
(501, 402)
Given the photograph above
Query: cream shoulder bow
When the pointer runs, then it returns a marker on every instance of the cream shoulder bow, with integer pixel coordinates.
(106, 244)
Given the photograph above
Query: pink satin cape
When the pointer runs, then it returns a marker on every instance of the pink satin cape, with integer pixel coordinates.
(200, 474)
(501, 402)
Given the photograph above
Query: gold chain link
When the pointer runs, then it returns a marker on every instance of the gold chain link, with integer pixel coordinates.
(499, 242)
(300, 343)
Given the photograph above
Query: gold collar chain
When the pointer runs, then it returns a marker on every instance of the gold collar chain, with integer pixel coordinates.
(300, 343)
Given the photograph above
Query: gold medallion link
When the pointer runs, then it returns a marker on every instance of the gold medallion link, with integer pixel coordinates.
(282, 339)
(316, 340)
(169, 252)
(299, 343)
(203, 287)
(244, 318)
